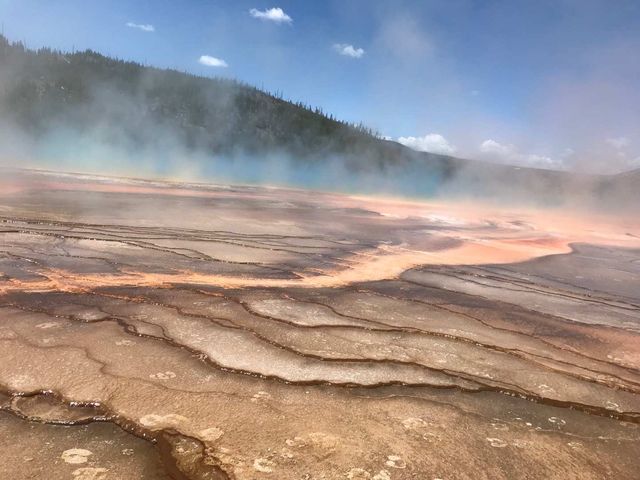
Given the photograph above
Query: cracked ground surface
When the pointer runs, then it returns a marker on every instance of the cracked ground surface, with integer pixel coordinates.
(159, 330)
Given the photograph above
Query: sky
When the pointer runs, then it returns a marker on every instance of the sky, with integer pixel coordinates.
(550, 84)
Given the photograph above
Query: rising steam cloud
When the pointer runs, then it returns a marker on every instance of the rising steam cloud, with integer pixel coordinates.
(149, 123)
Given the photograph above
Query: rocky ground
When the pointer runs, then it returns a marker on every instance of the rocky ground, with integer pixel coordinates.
(158, 330)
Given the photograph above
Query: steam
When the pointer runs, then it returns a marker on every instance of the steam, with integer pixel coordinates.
(121, 129)
(541, 88)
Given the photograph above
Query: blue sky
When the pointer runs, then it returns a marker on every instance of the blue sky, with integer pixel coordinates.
(544, 83)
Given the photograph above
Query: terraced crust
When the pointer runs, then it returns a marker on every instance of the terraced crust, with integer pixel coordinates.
(161, 331)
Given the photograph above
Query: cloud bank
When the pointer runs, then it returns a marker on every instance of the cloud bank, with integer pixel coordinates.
(432, 142)
(275, 15)
(507, 153)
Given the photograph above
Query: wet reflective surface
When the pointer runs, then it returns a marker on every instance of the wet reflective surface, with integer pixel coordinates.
(246, 333)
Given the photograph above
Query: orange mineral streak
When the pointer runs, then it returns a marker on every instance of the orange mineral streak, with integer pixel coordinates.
(385, 262)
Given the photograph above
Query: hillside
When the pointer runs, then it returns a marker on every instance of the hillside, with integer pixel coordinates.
(84, 89)
(64, 98)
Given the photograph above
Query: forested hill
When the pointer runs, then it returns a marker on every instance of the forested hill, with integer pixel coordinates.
(85, 90)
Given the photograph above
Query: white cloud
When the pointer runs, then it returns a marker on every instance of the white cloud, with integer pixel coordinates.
(348, 50)
(432, 142)
(493, 147)
(212, 61)
(144, 27)
(619, 143)
(276, 15)
(509, 154)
